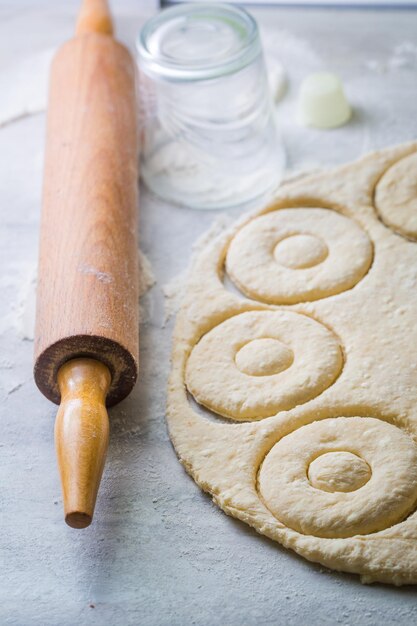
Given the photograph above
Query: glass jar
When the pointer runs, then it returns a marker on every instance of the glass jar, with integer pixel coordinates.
(209, 134)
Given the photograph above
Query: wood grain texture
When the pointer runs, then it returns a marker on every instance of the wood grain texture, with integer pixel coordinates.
(87, 302)
(81, 436)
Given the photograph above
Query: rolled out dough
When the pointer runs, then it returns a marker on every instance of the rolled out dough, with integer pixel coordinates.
(298, 327)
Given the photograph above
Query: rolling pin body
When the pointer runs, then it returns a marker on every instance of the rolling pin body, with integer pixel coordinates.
(87, 336)
(87, 301)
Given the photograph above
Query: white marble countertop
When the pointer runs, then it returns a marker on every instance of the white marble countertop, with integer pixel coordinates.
(159, 552)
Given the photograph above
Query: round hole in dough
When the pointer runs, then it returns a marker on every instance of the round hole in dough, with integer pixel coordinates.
(300, 251)
(338, 471)
(298, 255)
(396, 196)
(264, 357)
(214, 373)
(386, 498)
(375, 322)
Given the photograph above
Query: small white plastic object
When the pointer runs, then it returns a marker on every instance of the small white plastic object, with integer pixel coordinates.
(322, 102)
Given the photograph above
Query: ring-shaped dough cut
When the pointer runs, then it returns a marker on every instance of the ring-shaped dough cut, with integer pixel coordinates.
(386, 498)
(396, 196)
(215, 380)
(298, 255)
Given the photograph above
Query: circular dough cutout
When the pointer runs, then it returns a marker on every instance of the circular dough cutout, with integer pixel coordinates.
(298, 255)
(258, 363)
(338, 471)
(264, 357)
(396, 197)
(388, 493)
(300, 251)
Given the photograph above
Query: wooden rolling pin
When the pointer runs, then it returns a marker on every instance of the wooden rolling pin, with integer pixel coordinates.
(86, 345)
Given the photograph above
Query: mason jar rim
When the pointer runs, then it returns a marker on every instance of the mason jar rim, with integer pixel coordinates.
(167, 68)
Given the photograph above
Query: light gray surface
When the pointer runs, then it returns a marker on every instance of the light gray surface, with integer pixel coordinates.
(159, 552)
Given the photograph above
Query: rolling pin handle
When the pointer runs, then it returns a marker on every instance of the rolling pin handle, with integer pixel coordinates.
(94, 17)
(82, 435)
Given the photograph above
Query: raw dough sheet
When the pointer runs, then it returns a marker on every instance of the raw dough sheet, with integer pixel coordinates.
(293, 391)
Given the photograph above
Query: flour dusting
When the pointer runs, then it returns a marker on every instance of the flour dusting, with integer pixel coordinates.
(24, 87)
(146, 275)
(103, 277)
(283, 49)
(403, 56)
(277, 79)
(146, 280)
(295, 175)
(218, 225)
(174, 289)
(173, 292)
(24, 317)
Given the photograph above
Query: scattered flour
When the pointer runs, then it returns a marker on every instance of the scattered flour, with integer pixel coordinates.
(103, 277)
(217, 226)
(22, 317)
(146, 281)
(403, 56)
(173, 294)
(173, 290)
(284, 49)
(24, 87)
(277, 79)
(146, 275)
(297, 174)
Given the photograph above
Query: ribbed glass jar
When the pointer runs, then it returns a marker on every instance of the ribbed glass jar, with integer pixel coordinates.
(209, 134)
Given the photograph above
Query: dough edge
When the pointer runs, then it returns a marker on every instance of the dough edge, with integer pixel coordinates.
(389, 556)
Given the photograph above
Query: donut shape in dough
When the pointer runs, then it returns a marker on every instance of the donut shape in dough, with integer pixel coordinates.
(258, 363)
(396, 197)
(379, 491)
(376, 325)
(298, 255)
